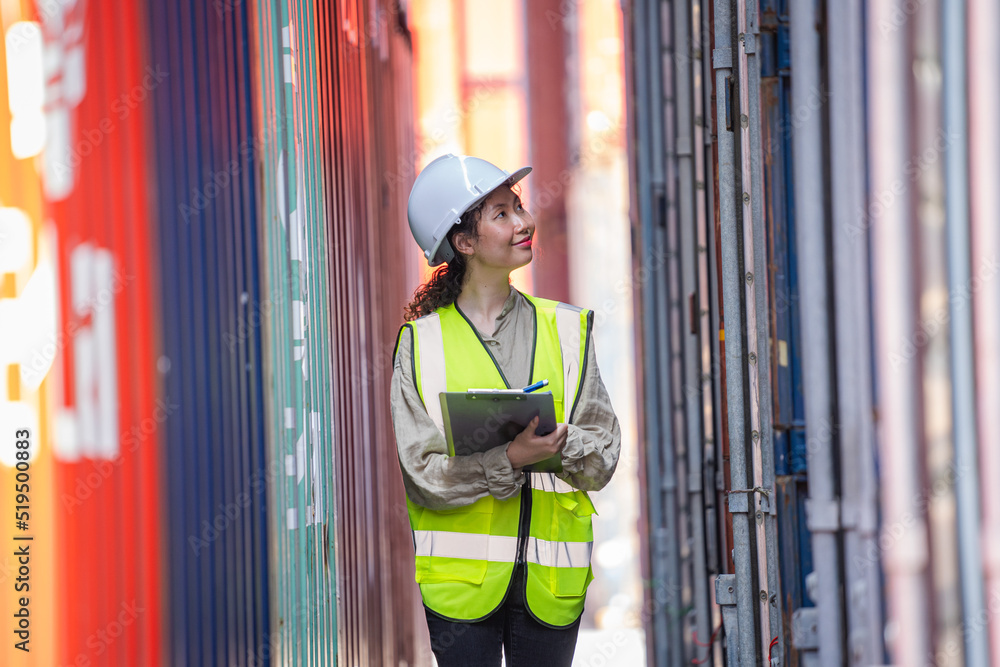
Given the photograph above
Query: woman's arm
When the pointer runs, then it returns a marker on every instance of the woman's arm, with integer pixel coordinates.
(432, 478)
(594, 441)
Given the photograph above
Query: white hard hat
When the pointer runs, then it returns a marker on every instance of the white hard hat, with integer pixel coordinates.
(446, 188)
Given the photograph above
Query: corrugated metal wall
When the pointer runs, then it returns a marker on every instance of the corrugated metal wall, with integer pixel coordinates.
(743, 262)
(181, 402)
(298, 333)
(211, 360)
(201, 338)
(658, 515)
(335, 124)
(791, 465)
(110, 566)
(364, 137)
(78, 293)
(678, 237)
(859, 179)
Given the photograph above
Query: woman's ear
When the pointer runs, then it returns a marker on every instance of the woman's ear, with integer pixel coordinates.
(461, 243)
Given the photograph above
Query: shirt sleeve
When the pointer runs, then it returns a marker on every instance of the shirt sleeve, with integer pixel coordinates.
(433, 478)
(593, 443)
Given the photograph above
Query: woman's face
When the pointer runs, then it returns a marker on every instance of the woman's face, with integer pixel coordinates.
(506, 232)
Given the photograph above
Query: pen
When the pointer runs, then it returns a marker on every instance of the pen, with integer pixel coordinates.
(537, 385)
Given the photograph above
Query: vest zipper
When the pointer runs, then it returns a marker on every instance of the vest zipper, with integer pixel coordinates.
(524, 522)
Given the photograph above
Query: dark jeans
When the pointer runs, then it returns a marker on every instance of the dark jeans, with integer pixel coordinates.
(524, 640)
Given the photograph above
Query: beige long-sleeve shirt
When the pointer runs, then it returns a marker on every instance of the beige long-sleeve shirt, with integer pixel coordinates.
(438, 481)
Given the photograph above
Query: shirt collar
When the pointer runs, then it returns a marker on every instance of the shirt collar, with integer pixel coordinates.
(509, 303)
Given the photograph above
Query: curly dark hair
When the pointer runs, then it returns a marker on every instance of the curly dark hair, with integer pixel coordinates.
(446, 283)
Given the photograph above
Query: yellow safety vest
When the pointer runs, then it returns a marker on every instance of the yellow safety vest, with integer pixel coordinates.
(465, 556)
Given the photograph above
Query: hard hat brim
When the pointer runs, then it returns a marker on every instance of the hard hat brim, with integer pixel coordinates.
(517, 175)
(437, 254)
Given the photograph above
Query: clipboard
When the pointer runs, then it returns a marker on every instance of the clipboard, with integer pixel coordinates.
(475, 421)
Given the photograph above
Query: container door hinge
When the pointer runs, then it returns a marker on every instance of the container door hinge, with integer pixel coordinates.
(722, 58)
(725, 596)
(739, 499)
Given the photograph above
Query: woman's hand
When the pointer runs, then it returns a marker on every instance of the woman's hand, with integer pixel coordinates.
(528, 448)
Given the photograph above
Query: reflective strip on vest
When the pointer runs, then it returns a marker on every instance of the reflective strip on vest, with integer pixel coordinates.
(445, 544)
(547, 481)
(433, 379)
(559, 554)
(568, 325)
(474, 546)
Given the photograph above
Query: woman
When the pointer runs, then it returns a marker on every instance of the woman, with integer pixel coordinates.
(502, 555)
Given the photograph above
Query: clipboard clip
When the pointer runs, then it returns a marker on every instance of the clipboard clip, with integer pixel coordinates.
(495, 391)
(527, 390)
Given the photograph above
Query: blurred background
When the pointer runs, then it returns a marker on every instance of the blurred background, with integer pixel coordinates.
(783, 213)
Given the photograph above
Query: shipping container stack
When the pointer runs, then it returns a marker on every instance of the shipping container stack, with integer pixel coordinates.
(78, 317)
(334, 126)
(790, 460)
(215, 468)
(856, 317)
(202, 207)
(202, 215)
